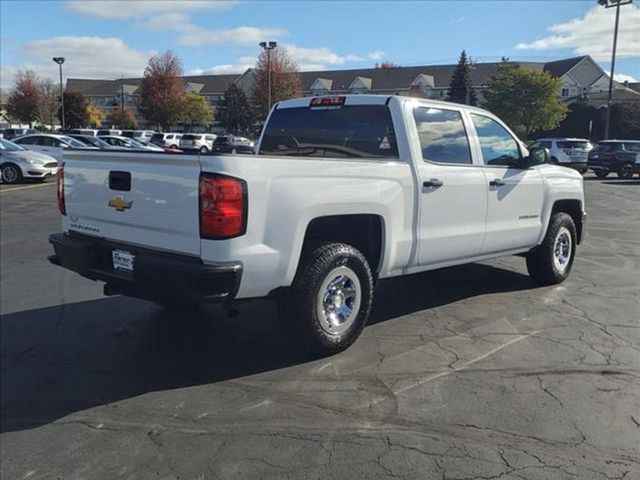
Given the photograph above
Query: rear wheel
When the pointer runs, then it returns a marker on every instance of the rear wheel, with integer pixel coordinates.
(550, 263)
(601, 173)
(10, 173)
(329, 303)
(626, 171)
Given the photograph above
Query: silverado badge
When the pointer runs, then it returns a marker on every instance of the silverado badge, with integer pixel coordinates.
(120, 204)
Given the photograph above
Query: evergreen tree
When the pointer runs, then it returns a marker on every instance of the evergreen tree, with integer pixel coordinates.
(236, 114)
(461, 87)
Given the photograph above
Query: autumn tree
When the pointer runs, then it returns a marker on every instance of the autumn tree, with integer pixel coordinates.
(48, 102)
(524, 98)
(23, 103)
(196, 111)
(75, 110)
(461, 86)
(161, 90)
(236, 114)
(285, 79)
(94, 116)
(123, 118)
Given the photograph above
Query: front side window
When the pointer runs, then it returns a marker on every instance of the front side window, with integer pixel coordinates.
(355, 131)
(497, 145)
(443, 138)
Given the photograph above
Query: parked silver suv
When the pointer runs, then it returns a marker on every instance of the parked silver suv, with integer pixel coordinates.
(567, 152)
(197, 141)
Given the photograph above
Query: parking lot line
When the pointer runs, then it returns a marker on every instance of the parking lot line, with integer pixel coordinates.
(26, 187)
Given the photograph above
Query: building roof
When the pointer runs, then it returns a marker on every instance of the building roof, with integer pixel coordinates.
(211, 84)
(561, 67)
(634, 86)
(599, 99)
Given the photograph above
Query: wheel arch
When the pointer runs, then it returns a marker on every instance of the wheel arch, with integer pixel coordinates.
(573, 208)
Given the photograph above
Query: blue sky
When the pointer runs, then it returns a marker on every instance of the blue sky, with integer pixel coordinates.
(111, 39)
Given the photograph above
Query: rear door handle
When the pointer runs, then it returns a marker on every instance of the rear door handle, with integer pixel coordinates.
(496, 183)
(433, 182)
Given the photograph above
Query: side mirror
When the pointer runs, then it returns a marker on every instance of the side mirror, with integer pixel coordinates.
(537, 156)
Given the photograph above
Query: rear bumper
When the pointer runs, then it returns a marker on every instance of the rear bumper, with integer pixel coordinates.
(156, 275)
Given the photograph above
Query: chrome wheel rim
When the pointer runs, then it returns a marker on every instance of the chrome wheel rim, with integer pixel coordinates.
(562, 250)
(9, 174)
(338, 301)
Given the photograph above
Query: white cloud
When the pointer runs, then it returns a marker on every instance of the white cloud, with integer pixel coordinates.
(592, 34)
(195, 36)
(86, 57)
(239, 66)
(126, 9)
(312, 58)
(621, 77)
(375, 55)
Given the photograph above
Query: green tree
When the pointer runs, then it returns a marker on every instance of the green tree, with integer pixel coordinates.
(285, 79)
(625, 120)
(161, 90)
(461, 86)
(196, 111)
(75, 110)
(526, 99)
(23, 103)
(123, 118)
(235, 113)
(580, 116)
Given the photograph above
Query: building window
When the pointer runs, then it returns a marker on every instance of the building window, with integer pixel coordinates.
(564, 92)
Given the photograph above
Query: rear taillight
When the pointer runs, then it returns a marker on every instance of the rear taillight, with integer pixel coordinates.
(223, 207)
(60, 177)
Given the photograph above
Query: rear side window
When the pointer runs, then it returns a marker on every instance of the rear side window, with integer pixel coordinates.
(443, 138)
(360, 131)
(497, 145)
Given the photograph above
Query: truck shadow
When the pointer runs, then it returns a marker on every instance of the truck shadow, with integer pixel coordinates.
(67, 358)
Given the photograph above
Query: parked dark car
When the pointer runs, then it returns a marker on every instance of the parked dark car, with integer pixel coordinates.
(620, 156)
(91, 141)
(232, 144)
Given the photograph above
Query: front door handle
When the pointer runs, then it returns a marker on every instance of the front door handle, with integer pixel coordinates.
(496, 183)
(433, 182)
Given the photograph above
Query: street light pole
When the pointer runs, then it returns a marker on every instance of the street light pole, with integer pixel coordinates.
(267, 47)
(611, 4)
(60, 61)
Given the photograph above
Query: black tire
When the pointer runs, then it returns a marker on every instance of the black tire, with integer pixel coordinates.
(601, 173)
(541, 263)
(299, 306)
(10, 173)
(626, 171)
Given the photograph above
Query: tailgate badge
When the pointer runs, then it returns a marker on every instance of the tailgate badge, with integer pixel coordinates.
(120, 204)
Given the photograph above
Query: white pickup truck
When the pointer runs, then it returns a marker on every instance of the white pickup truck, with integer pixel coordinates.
(342, 191)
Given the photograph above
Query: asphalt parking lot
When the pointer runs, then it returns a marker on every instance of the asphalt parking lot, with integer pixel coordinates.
(466, 373)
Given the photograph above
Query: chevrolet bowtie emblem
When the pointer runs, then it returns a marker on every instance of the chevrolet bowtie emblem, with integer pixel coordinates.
(120, 204)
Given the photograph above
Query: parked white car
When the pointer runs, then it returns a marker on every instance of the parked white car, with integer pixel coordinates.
(166, 140)
(344, 190)
(17, 162)
(109, 132)
(129, 143)
(141, 136)
(50, 144)
(84, 131)
(568, 152)
(203, 142)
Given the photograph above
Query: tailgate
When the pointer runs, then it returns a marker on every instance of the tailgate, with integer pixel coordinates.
(146, 199)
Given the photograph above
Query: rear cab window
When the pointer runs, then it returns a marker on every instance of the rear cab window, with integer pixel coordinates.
(342, 131)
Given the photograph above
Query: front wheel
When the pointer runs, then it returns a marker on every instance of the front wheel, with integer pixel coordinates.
(330, 299)
(204, 149)
(626, 171)
(550, 262)
(10, 173)
(601, 173)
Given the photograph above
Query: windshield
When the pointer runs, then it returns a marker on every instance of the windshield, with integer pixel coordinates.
(72, 142)
(9, 146)
(352, 131)
(134, 143)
